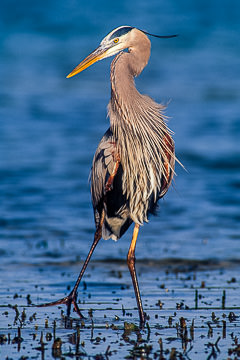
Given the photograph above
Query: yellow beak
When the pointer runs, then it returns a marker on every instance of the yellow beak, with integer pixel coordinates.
(96, 55)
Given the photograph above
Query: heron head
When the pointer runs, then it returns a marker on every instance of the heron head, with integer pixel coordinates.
(117, 40)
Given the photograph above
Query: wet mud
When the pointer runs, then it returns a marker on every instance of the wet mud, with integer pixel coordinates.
(192, 311)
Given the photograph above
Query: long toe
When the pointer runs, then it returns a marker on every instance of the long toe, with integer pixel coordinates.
(68, 301)
(73, 300)
(76, 308)
(54, 303)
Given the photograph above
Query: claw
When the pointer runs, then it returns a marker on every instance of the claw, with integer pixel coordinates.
(68, 301)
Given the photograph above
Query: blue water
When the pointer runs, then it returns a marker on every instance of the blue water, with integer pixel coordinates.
(50, 126)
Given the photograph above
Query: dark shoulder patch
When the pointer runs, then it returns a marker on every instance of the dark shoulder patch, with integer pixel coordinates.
(122, 31)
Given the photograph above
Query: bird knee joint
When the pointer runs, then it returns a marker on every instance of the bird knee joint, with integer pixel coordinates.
(131, 258)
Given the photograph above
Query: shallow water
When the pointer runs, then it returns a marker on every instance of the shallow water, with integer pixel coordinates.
(188, 312)
(49, 129)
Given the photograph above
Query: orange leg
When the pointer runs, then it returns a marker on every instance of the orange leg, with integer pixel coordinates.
(131, 266)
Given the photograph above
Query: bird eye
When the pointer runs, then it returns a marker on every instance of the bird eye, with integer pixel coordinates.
(116, 40)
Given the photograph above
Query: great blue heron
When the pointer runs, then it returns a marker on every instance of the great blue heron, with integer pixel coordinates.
(134, 163)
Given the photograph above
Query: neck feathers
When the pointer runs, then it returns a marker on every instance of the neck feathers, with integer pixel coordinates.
(143, 139)
(126, 66)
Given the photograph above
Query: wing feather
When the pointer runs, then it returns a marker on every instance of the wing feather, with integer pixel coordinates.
(101, 168)
(114, 202)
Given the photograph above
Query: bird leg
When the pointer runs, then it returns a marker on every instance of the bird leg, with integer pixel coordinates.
(72, 297)
(131, 266)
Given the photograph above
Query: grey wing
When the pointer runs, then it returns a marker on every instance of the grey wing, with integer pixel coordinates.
(113, 202)
(102, 167)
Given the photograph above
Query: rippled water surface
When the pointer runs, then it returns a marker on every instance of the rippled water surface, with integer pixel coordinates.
(50, 127)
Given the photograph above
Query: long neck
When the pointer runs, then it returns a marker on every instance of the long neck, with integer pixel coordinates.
(139, 130)
(122, 85)
(124, 68)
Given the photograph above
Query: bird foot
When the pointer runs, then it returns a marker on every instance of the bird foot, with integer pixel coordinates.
(69, 300)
